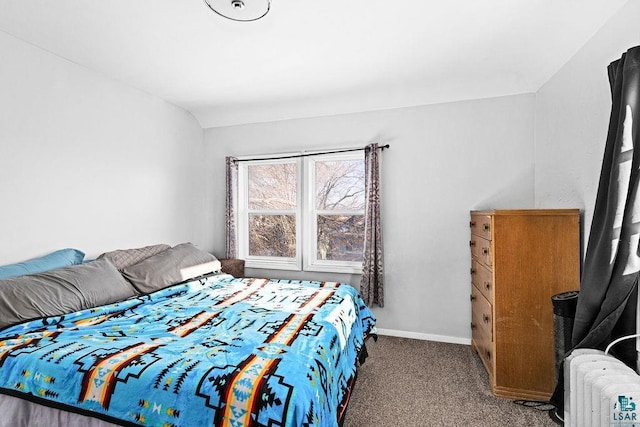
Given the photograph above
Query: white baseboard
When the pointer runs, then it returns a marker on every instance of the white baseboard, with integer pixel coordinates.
(424, 337)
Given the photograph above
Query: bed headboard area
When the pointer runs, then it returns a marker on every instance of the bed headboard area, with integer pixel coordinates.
(64, 282)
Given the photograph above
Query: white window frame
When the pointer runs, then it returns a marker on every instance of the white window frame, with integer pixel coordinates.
(306, 224)
(310, 224)
(252, 261)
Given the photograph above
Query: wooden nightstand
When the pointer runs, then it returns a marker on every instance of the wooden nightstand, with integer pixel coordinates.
(233, 266)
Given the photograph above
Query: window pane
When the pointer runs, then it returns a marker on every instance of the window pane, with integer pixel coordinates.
(340, 185)
(340, 237)
(272, 186)
(272, 235)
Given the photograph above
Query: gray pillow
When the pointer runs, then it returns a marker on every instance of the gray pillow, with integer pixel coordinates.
(165, 269)
(61, 291)
(123, 258)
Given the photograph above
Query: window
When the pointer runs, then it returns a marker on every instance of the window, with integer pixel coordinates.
(302, 213)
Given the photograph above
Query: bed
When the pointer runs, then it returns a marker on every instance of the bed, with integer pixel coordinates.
(209, 350)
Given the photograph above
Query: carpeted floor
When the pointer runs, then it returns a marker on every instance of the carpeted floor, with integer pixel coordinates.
(407, 382)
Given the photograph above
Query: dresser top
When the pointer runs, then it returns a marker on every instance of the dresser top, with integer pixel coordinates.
(528, 212)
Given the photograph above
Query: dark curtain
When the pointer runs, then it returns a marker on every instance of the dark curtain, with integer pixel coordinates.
(372, 281)
(607, 300)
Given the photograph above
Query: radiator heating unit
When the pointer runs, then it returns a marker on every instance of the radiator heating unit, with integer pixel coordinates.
(600, 391)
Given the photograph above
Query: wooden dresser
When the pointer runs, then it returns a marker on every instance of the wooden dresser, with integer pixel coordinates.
(519, 260)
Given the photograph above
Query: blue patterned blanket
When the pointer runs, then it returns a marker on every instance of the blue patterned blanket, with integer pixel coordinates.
(215, 351)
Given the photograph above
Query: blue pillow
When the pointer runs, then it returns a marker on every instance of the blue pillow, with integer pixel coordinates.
(52, 261)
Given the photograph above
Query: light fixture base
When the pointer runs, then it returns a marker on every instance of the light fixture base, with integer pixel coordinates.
(240, 10)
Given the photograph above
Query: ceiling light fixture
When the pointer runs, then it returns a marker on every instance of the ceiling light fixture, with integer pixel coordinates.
(240, 10)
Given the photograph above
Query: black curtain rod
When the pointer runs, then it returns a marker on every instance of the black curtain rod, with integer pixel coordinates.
(294, 156)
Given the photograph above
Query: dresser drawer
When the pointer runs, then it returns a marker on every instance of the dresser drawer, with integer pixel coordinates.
(484, 348)
(481, 316)
(481, 226)
(482, 328)
(482, 278)
(481, 250)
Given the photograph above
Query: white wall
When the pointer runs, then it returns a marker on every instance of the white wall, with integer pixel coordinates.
(572, 118)
(90, 163)
(444, 160)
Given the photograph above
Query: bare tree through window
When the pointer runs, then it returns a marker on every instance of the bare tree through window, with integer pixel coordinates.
(340, 209)
(273, 193)
(337, 204)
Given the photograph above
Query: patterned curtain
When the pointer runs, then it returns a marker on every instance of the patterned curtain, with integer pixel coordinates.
(372, 282)
(230, 213)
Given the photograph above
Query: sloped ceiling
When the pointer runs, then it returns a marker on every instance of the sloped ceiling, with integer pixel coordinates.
(310, 58)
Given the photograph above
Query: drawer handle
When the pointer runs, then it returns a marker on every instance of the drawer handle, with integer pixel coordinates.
(485, 251)
(485, 227)
(487, 286)
(472, 224)
(485, 318)
(472, 271)
(472, 243)
(472, 297)
(473, 325)
(488, 353)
